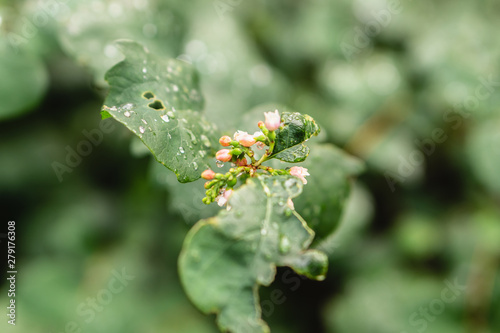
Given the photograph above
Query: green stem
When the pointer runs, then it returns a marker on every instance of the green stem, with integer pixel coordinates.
(266, 155)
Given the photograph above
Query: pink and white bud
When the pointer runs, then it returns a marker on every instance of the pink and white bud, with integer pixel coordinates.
(273, 120)
(224, 155)
(299, 172)
(208, 174)
(225, 141)
(244, 138)
(224, 197)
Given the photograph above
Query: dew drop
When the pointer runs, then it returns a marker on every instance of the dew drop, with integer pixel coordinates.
(171, 114)
(263, 232)
(144, 121)
(175, 88)
(205, 140)
(284, 245)
(144, 70)
(128, 106)
(142, 129)
(195, 166)
(181, 150)
(219, 164)
(126, 114)
(165, 118)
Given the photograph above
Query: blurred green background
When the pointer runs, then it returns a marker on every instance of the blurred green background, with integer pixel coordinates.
(410, 87)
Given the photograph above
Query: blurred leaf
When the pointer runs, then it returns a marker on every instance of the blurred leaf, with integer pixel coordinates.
(24, 82)
(327, 189)
(159, 100)
(483, 148)
(295, 129)
(88, 30)
(225, 258)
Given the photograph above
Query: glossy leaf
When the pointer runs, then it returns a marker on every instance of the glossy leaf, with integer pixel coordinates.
(295, 129)
(159, 100)
(225, 258)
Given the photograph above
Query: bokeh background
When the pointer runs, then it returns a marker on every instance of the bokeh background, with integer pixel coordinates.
(409, 87)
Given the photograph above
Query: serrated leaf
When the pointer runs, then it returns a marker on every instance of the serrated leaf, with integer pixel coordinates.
(224, 259)
(159, 100)
(295, 129)
(328, 187)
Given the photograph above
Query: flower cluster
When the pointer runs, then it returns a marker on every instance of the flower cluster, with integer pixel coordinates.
(219, 186)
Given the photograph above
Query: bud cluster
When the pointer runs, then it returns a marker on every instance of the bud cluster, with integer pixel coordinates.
(219, 186)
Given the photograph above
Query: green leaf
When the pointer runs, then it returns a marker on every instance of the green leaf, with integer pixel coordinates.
(328, 187)
(24, 83)
(87, 31)
(296, 128)
(224, 259)
(159, 100)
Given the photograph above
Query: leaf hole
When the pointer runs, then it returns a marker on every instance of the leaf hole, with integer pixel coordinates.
(148, 95)
(157, 105)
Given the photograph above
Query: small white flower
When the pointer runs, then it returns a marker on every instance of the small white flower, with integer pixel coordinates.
(223, 197)
(299, 172)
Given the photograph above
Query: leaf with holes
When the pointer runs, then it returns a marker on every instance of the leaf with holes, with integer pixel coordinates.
(295, 129)
(159, 100)
(225, 258)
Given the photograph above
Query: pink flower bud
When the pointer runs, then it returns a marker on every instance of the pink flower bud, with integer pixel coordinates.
(299, 172)
(260, 124)
(242, 162)
(224, 155)
(273, 120)
(208, 174)
(224, 197)
(244, 138)
(225, 140)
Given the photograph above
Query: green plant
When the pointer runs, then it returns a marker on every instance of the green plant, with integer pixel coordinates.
(226, 258)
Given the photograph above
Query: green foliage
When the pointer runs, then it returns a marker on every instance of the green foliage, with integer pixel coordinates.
(21, 94)
(325, 194)
(226, 258)
(290, 137)
(159, 100)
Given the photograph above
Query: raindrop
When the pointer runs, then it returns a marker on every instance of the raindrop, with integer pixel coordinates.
(126, 114)
(263, 231)
(165, 118)
(193, 137)
(171, 114)
(128, 106)
(144, 121)
(284, 244)
(175, 88)
(144, 70)
(219, 164)
(181, 150)
(205, 140)
(195, 165)
(142, 129)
